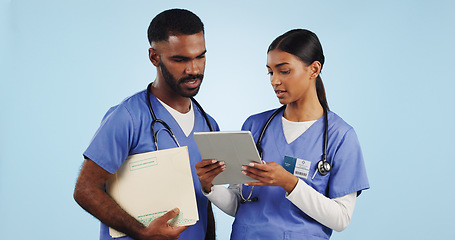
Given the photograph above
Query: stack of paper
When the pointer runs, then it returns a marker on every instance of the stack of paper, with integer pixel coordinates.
(148, 185)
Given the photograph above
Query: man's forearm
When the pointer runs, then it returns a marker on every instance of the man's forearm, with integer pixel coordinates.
(90, 195)
(103, 207)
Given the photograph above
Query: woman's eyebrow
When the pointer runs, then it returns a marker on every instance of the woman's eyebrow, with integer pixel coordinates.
(278, 65)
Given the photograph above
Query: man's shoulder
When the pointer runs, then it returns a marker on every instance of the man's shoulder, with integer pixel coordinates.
(201, 112)
(128, 106)
(134, 100)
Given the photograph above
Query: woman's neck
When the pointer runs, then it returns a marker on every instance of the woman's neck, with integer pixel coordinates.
(303, 111)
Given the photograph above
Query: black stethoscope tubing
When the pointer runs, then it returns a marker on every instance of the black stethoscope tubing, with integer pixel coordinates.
(323, 166)
(166, 126)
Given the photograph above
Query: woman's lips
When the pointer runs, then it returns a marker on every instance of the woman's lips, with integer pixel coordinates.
(280, 93)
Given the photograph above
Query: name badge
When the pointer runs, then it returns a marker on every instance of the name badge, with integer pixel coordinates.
(299, 167)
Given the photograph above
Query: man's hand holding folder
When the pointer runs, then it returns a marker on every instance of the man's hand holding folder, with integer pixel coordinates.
(160, 229)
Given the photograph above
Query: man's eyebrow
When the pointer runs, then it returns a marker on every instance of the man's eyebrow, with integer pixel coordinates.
(278, 65)
(186, 57)
(203, 53)
(179, 57)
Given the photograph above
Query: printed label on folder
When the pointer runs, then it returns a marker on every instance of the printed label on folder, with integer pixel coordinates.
(143, 163)
(297, 166)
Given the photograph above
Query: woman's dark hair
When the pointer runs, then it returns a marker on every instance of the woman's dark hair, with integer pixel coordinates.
(305, 45)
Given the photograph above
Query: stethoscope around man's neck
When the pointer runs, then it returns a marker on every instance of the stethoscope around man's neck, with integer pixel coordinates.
(323, 166)
(166, 127)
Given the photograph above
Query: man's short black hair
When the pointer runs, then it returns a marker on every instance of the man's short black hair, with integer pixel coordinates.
(174, 22)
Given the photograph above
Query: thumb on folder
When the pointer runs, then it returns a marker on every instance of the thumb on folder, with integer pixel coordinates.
(160, 229)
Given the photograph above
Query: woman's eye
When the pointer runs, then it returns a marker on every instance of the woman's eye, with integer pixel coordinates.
(270, 73)
(285, 72)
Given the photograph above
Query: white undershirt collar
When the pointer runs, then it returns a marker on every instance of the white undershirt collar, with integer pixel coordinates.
(293, 130)
(184, 120)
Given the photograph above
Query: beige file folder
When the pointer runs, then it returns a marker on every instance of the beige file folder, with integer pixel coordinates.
(148, 185)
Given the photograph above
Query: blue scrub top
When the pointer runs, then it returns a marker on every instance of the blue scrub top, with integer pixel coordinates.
(275, 217)
(126, 130)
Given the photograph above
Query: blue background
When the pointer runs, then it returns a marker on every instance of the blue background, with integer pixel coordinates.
(388, 72)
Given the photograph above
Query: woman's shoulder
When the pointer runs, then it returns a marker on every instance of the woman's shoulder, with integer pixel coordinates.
(335, 118)
(257, 120)
(262, 115)
(338, 126)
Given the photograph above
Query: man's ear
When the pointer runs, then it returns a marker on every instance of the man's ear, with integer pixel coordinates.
(154, 57)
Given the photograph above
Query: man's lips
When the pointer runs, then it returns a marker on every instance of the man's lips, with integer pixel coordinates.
(192, 83)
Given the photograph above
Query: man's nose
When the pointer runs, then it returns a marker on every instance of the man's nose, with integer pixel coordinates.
(192, 67)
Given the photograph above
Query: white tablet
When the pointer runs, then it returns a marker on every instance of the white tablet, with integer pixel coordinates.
(235, 149)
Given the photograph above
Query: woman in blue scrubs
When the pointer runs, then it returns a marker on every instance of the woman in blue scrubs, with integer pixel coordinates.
(304, 202)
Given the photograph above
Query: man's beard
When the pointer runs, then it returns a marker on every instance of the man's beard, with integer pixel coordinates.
(174, 84)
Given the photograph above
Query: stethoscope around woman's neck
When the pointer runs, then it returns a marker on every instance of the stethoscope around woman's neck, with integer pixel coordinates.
(166, 127)
(323, 166)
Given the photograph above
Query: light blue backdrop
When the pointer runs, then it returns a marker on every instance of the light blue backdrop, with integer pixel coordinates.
(388, 72)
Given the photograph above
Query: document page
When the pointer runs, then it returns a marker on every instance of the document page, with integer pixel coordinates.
(234, 148)
(148, 185)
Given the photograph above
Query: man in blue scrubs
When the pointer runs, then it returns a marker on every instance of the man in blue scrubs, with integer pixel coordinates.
(178, 52)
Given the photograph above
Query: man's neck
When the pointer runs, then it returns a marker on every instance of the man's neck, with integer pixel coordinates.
(163, 92)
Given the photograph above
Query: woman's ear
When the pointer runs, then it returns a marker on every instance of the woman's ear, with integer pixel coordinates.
(154, 57)
(315, 68)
